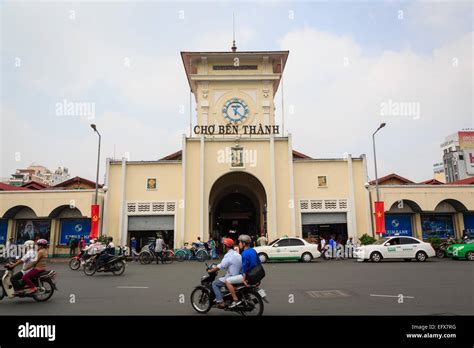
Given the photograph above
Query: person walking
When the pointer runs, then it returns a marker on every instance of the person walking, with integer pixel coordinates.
(133, 247)
(332, 247)
(72, 246)
(212, 245)
(159, 244)
(262, 240)
(82, 244)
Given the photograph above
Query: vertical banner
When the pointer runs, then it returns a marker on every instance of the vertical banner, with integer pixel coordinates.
(94, 221)
(379, 217)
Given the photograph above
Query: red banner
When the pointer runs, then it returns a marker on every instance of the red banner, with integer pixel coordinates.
(94, 221)
(379, 217)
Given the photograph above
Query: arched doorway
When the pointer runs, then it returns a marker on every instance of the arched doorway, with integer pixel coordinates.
(237, 205)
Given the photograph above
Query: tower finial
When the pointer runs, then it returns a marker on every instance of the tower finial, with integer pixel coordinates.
(234, 48)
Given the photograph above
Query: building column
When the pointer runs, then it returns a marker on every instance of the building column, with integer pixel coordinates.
(10, 229)
(418, 233)
(352, 225)
(106, 198)
(292, 202)
(368, 204)
(182, 203)
(458, 225)
(201, 189)
(53, 237)
(122, 214)
(273, 189)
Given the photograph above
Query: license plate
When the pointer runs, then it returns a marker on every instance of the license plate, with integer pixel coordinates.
(262, 293)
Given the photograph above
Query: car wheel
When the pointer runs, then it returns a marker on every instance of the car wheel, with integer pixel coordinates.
(376, 256)
(306, 257)
(470, 255)
(263, 257)
(421, 256)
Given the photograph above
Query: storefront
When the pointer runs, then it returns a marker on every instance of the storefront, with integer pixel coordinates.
(437, 225)
(398, 224)
(32, 230)
(469, 223)
(145, 229)
(324, 225)
(3, 231)
(74, 228)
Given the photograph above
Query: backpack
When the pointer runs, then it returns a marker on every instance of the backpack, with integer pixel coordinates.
(256, 274)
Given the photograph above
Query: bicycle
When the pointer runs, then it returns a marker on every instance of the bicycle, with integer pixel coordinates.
(192, 253)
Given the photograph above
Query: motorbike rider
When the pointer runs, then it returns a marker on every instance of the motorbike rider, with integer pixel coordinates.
(250, 259)
(107, 254)
(27, 261)
(39, 265)
(232, 263)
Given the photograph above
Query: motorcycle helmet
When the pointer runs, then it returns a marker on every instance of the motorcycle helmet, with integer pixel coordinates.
(228, 242)
(29, 244)
(245, 238)
(42, 242)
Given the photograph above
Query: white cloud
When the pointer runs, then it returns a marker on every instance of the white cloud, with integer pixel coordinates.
(337, 106)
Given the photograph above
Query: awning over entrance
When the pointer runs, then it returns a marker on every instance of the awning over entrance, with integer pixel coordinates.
(323, 218)
(151, 223)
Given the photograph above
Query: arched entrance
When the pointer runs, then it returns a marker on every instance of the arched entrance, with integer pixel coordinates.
(237, 205)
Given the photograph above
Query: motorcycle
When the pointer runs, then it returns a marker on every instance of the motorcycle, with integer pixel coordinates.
(44, 281)
(77, 261)
(115, 264)
(252, 296)
(441, 250)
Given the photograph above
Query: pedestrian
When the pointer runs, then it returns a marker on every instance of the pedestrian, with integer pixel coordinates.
(350, 248)
(133, 246)
(72, 246)
(82, 244)
(322, 245)
(262, 240)
(212, 245)
(332, 246)
(159, 249)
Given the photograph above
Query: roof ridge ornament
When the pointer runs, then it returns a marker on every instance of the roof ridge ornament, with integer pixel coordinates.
(234, 48)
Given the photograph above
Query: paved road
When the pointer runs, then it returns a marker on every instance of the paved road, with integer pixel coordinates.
(435, 287)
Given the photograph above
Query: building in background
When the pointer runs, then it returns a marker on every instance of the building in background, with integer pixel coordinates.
(39, 174)
(458, 155)
(438, 172)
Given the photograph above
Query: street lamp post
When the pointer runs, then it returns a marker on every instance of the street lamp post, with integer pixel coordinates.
(375, 161)
(93, 126)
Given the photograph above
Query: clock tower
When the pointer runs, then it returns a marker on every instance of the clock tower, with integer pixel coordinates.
(234, 91)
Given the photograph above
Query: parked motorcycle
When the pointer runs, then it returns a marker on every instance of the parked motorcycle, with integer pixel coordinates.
(441, 250)
(115, 264)
(44, 281)
(252, 296)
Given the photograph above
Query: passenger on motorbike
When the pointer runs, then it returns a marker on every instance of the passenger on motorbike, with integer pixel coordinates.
(249, 260)
(107, 254)
(27, 261)
(39, 265)
(232, 263)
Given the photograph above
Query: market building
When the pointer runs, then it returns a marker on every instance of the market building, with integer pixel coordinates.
(237, 172)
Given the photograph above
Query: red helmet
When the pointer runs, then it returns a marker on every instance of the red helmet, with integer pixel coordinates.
(42, 242)
(228, 242)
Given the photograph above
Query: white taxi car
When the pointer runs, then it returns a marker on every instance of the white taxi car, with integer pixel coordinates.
(288, 248)
(395, 247)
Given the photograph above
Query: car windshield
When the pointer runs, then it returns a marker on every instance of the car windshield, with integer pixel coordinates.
(276, 240)
(468, 241)
(381, 241)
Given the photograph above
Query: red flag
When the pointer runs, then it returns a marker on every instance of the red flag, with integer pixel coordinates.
(94, 221)
(379, 217)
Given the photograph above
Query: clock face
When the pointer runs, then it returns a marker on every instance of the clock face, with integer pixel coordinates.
(235, 110)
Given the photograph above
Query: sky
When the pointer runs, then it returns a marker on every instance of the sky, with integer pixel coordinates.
(352, 65)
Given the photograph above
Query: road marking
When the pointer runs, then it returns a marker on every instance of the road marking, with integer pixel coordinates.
(327, 294)
(404, 296)
(132, 287)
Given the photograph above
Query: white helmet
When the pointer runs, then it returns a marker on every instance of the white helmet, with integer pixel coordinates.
(92, 241)
(29, 244)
